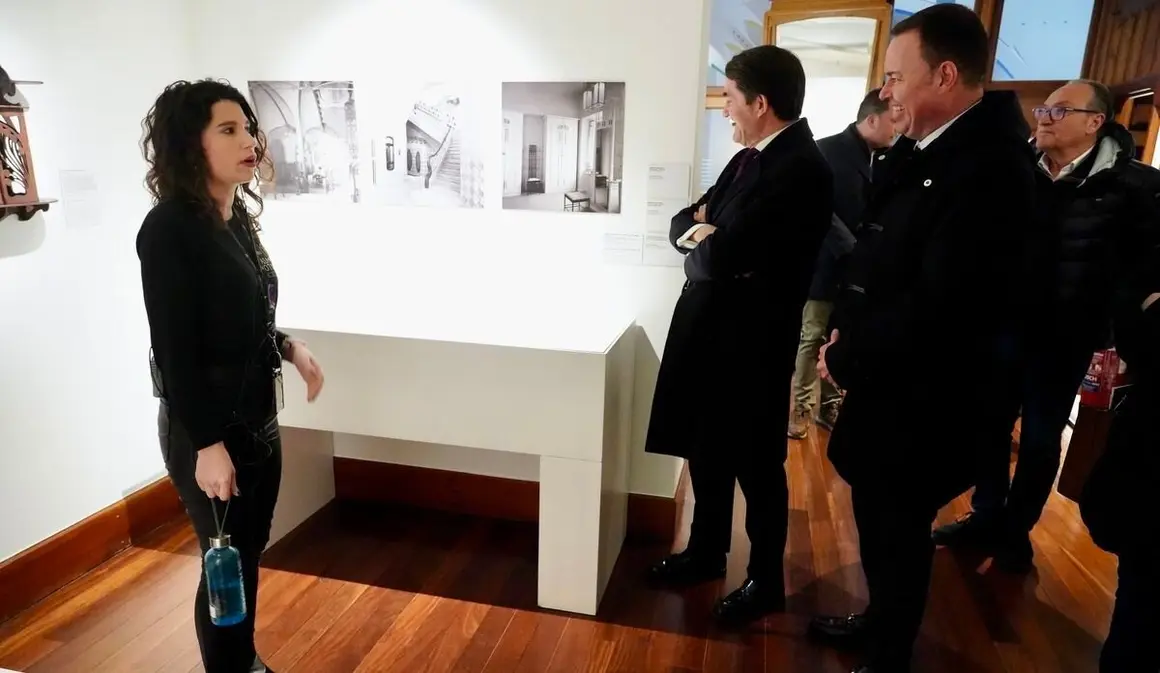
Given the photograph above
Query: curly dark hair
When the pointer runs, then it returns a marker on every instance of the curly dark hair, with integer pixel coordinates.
(172, 147)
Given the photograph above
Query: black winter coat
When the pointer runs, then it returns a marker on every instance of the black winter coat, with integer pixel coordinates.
(931, 296)
(1091, 225)
(730, 350)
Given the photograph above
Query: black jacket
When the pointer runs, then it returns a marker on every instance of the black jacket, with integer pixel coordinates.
(1092, 224)
(211, 325)
(730, 349)
(931, 294)
(849, 158)
(1125, 476)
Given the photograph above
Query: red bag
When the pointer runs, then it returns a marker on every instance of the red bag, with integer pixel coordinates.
(1106, 373)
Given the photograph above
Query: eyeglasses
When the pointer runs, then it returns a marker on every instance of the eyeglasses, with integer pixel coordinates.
(1058, 112)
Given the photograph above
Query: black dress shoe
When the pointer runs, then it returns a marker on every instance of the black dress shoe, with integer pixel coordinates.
(846, 631)
(687, 569)
(972, 531)
(752, 601)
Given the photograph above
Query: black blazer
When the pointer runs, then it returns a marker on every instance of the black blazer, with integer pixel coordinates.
(849, 158)
(734, 332)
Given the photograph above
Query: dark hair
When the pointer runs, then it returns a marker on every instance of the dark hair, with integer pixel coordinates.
(951, 32)
(872, 104)
(772, 72)
(1102, 99)
(172, 146)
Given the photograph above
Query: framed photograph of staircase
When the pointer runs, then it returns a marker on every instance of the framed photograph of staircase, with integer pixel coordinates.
(426, 146)
(563, 146)
(312, 140)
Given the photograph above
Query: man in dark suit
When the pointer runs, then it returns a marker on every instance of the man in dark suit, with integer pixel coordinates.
(848, 154)
(924, 322)
(722, 393)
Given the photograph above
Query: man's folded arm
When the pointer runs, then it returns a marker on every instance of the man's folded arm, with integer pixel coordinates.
(772, 219)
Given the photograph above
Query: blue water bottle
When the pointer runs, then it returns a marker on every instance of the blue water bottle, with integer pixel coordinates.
(223, 580)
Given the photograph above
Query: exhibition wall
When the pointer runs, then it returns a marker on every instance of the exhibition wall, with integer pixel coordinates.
(470, 265)
(77, 421)
(415, 230)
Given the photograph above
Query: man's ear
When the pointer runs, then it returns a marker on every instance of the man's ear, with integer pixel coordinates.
(762, 104)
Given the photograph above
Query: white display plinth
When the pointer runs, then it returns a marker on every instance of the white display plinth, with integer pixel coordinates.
(556, 386)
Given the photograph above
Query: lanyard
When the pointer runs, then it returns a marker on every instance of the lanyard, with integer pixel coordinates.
(220, 523)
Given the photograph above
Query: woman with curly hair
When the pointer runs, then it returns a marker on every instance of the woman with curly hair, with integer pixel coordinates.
(210, 295)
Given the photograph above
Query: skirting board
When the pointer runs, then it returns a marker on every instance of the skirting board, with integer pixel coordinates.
(650, 518)
(37, 572)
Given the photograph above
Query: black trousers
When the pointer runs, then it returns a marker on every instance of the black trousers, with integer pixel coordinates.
(1130, 647)
(257, 454)
(1050, 380)
(897, 554)
(763, 483)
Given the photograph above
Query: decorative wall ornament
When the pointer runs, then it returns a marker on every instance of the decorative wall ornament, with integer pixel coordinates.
(18, 195)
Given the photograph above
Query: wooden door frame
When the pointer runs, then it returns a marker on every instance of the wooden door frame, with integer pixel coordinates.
(881, 11)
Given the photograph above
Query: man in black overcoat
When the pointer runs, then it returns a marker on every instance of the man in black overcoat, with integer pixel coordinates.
(924, 325)
(722, 394)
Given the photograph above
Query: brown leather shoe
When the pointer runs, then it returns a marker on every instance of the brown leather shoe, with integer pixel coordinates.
(799, 424)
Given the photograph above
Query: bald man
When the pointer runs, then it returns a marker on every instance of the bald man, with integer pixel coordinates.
(1098, 208)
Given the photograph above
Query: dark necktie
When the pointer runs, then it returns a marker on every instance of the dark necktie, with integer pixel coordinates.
(746, 158)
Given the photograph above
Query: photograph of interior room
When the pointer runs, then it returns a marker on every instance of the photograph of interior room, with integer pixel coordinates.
(563, 146)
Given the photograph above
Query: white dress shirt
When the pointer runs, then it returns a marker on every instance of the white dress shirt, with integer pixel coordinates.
(1067, 169)
(686, 240)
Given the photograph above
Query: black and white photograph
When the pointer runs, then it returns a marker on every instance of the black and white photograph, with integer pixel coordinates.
(312, 134)
(426, 147)
(563, 146)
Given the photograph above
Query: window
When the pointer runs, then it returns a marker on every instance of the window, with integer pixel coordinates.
(1042, 45)
(734, 26)
(904, 8)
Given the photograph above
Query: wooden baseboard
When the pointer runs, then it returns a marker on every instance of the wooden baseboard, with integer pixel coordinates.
(32, 575)
(650, 518)
(35, 573)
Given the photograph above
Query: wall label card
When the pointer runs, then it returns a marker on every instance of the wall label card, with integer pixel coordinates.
(659, 215)
(659, 252)
(623, 248)
(80, 198)
(669, 181)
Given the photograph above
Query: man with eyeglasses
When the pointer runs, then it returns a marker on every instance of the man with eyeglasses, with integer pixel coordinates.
(1098, 207)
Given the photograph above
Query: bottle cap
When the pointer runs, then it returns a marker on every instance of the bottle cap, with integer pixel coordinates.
(219, 542)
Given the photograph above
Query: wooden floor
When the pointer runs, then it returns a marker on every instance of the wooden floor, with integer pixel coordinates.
(374, 589)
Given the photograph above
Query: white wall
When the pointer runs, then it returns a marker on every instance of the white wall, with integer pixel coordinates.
(654, 46)
(77, 420)
(77, 423)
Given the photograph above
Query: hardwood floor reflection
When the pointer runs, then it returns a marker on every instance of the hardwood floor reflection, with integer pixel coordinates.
(389, 589)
